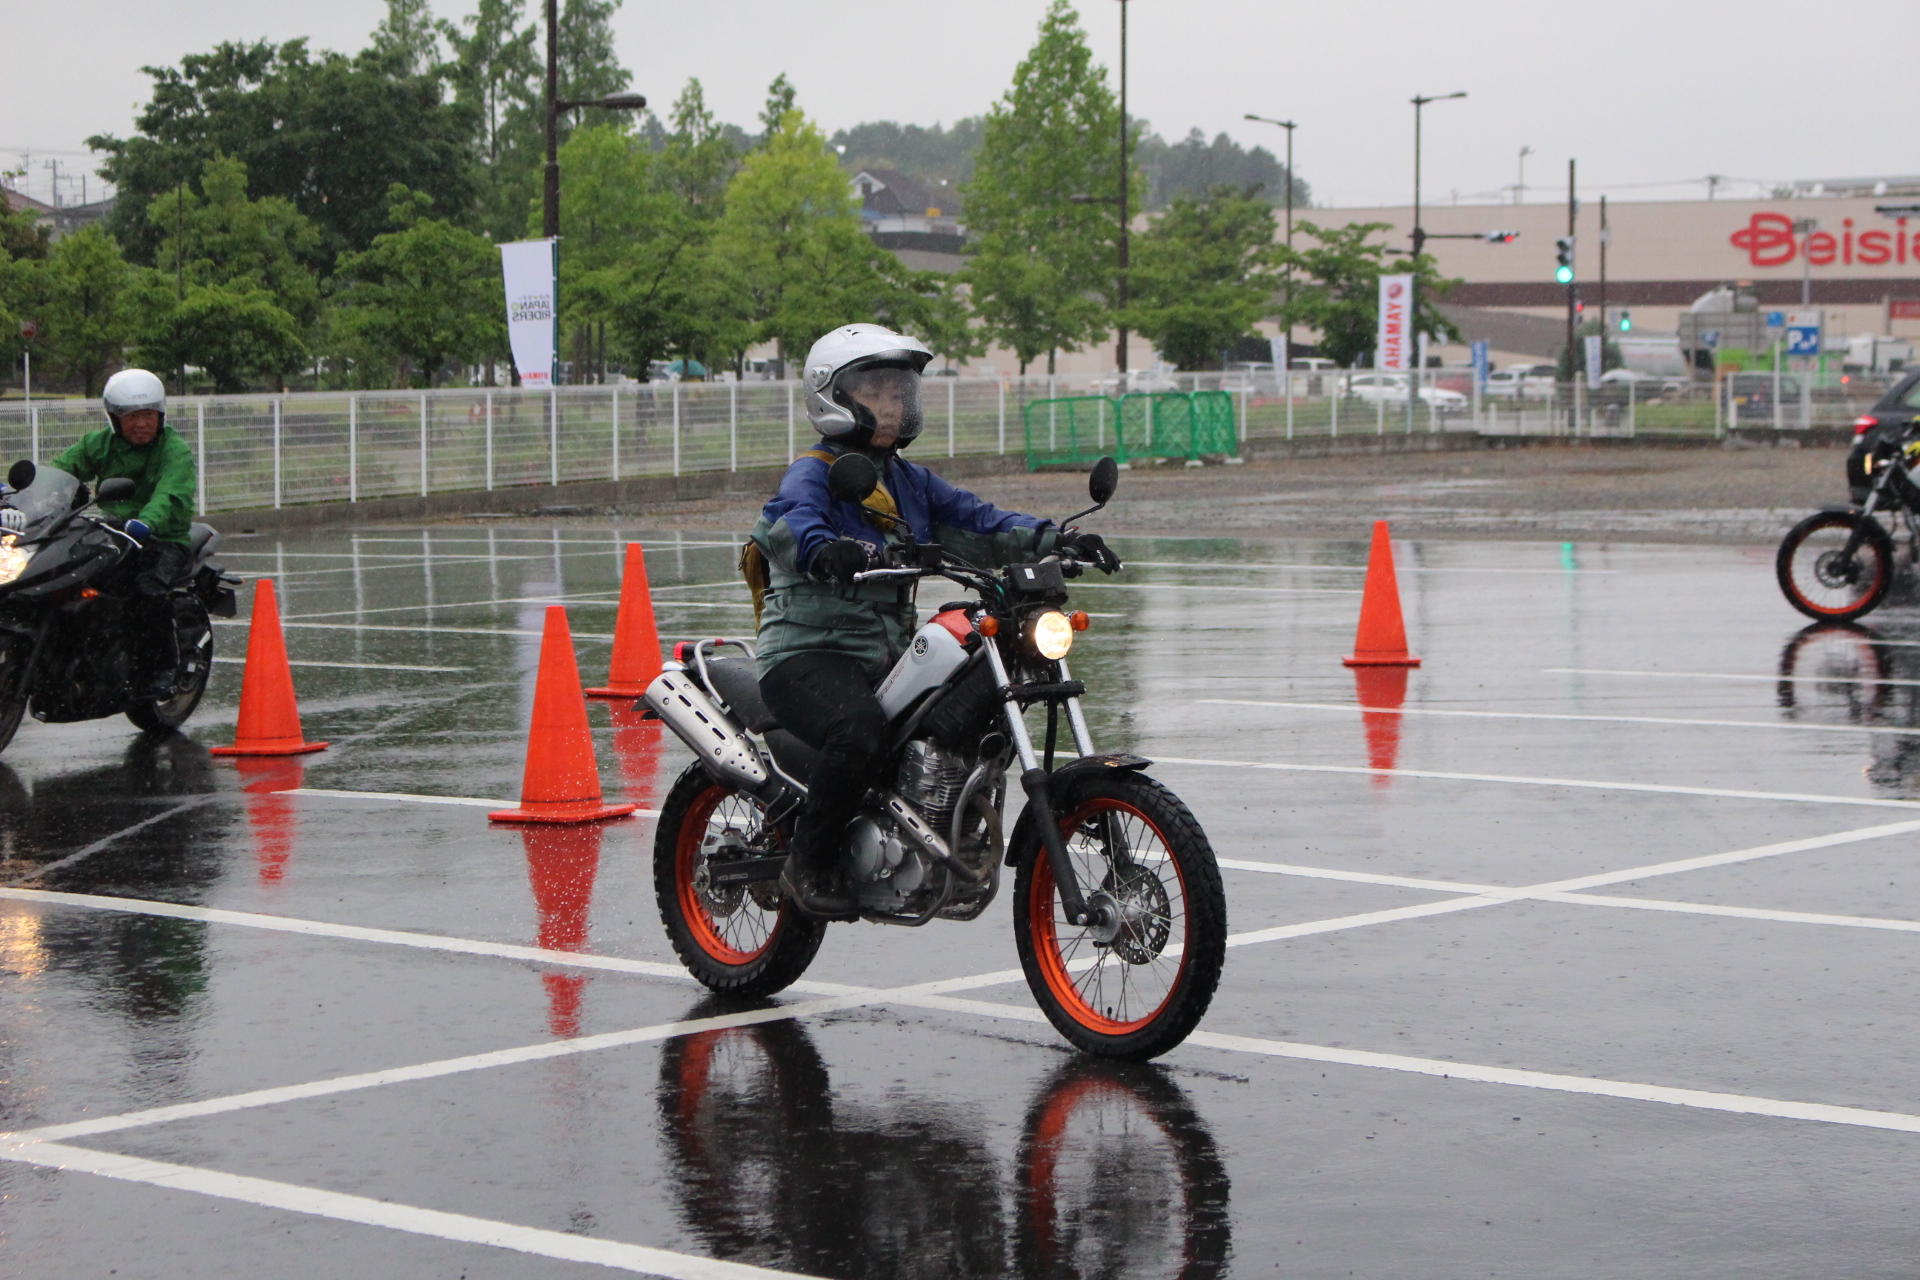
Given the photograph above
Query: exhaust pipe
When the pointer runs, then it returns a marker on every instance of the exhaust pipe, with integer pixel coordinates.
(721, 745)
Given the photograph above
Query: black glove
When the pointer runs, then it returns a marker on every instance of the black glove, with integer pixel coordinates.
(1088, 547)
(840, 559)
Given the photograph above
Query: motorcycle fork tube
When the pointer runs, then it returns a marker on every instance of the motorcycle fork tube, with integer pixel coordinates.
(1033, 779)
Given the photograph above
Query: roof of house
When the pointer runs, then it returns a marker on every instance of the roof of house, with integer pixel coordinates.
(16, 201)
(889, 191)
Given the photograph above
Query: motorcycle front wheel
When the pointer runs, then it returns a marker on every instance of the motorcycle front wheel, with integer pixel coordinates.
(739, 940)
(14, 654)
(1137, 980)
(1817, 576)
(193, 632)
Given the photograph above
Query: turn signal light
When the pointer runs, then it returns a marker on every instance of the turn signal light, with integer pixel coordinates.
(1079, 619)
(988, 625)
(1864, 423)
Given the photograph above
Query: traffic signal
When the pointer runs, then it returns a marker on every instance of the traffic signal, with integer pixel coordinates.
(1500, 237)
(1563, 256)
(1626, 321)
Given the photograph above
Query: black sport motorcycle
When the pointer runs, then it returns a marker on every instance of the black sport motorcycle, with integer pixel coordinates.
(1838, 564)
(64, 610)
(1119, 916)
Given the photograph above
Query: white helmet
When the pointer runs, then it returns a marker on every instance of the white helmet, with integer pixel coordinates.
(835, 367)
(130, 390)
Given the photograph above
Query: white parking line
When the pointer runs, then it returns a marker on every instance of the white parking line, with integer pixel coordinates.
(353, 666)
(425, 629)
(1655, 788)
(1719, 675)
(1350, 707)
(1355, 570)
(366, 1211)
(475, 802)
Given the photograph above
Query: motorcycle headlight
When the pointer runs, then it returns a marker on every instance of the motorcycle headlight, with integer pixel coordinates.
(13, 558)
(1051, 635)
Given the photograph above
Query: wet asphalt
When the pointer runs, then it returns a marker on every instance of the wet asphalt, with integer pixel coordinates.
(1586, 948)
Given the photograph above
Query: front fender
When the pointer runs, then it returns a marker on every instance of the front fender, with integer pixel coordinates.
(1056, 784)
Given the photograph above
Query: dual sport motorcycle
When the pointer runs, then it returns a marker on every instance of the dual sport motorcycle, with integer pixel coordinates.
(1838, 563)
(1118, 913)
(64, 615)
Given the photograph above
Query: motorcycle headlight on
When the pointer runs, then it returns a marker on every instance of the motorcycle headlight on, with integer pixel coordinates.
(13, 558)
(1051, 635)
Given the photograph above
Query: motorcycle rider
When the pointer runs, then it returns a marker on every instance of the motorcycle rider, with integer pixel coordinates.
(137, 443)
(825, 641)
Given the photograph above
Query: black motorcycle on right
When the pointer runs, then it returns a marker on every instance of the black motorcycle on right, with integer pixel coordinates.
(63, 610)
(1838, 563)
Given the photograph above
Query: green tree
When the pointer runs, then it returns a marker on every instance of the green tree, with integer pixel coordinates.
(698, 158)
(328, 133)
(237, 332)
(423, 296)
(497, 81)
(587, 66)
(780, 97)
(1203, 274)
(790, 250)
(220, 236)
(1335, 289)
(932, 155)
(1044, 267)
(77, 295)
(410, 36)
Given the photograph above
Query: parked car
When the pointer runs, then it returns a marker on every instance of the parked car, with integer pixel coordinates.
(1887, 418)
(1391, 389)
(1751, 391)
(1521, 382)
(1139, 382)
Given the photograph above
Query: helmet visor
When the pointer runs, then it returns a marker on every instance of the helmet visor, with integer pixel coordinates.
(884, 399)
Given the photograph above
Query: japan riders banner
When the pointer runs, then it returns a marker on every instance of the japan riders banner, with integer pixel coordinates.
(1391, 353)
(528, 269)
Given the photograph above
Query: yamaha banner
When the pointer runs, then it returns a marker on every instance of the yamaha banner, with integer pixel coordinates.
(1392, 354)
(528, 269)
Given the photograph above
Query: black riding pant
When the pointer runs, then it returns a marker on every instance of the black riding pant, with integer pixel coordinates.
(827, 701)
(150, 575)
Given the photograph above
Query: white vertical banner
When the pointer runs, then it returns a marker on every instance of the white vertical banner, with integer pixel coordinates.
(1278, 344)
(1391, 353)
(1595, 358)
(527, 268)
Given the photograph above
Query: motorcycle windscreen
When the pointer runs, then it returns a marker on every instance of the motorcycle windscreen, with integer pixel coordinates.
(50, 496)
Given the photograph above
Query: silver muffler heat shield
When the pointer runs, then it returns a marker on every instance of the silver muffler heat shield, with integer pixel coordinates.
(721, 744)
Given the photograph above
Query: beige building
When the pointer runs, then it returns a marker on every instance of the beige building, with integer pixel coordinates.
(1859, 266)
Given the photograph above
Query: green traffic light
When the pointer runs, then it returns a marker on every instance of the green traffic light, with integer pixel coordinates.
(1563, 274)
(1626, 322)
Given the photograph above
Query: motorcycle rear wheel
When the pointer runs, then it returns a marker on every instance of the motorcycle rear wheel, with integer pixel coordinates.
(1135, 987)
(193, 631)
(1818, 582)
(739, 940)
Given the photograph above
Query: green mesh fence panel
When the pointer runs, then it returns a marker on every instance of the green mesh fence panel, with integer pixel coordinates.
(1071, 430)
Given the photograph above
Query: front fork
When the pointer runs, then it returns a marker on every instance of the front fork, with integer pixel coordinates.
(1033, 778)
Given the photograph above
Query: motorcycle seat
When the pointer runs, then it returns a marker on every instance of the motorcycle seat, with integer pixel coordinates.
(737, 681)
(201, 540)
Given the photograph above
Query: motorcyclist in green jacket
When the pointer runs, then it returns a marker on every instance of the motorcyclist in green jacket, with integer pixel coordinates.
(137, 443)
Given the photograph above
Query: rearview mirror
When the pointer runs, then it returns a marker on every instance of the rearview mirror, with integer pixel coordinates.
(118, 489)
(20, 474)
(852, 477)
(1103, 481)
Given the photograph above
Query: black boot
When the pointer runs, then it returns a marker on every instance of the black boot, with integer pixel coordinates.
(811, 879)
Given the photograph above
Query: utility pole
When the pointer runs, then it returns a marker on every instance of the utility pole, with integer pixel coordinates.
(1573, 210)
(1120, 293)
(1603, 282)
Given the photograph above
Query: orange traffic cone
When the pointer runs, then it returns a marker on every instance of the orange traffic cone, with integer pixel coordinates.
(639, 744)
(1382, 691)
(636, 644)
(269, 716)
(561, 783)
(1382, 638)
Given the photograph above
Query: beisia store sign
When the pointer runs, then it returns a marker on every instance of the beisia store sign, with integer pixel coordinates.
(1769, 240)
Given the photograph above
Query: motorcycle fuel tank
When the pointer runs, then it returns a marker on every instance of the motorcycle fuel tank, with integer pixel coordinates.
(932, 656)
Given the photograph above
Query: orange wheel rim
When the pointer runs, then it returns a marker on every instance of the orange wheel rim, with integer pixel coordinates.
(707, 931)
(1053, 958)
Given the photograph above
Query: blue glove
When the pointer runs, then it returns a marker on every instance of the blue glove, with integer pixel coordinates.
(138, 529)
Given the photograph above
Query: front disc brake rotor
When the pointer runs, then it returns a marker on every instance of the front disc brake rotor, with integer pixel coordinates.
(1835, 570)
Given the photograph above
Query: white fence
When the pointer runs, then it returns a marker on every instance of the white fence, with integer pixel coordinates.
(273, 451)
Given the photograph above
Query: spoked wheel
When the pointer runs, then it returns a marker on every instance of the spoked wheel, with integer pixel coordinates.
(14, 653)
(1134, 981)
(193, 632)
(742, 940)
(1821, 580)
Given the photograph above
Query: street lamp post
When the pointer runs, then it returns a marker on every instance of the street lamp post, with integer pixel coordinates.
(1289, 126)
(1120, 293)
(1520, 186)
(1418, 236)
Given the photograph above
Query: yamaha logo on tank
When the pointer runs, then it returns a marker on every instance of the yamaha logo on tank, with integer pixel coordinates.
(919, 646)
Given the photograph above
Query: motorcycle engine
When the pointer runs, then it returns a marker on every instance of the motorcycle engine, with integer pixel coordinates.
(929, 779)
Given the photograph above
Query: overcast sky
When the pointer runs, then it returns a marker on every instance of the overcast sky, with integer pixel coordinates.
(1651, 97)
